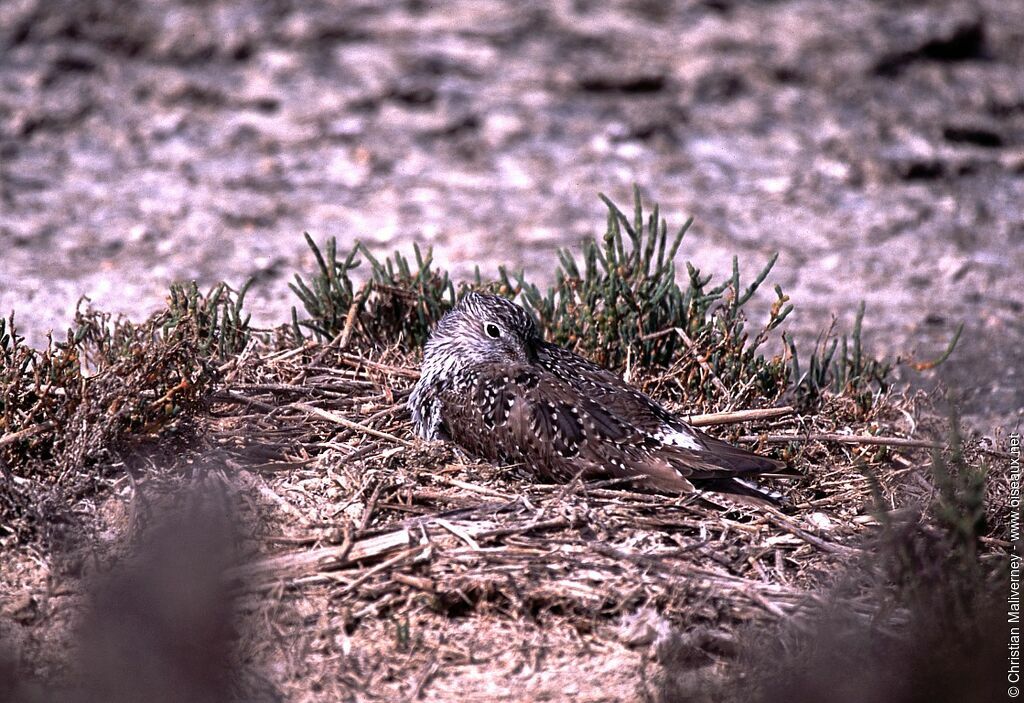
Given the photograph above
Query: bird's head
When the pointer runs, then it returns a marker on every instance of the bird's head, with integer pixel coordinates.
(480, 329)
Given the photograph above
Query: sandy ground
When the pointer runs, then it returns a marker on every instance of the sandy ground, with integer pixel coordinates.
(880, 149)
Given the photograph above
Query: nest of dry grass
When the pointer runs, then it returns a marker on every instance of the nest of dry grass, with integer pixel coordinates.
(409, 567)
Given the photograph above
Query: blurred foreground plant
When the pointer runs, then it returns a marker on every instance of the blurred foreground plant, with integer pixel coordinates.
(76, 403)
(917, 614)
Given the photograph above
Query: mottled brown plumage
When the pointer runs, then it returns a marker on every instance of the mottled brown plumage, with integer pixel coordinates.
(491, 385)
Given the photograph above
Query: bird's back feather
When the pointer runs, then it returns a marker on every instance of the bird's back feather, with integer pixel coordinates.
(517, 413)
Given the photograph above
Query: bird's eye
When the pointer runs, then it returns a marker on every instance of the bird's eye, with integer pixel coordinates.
(492, 330)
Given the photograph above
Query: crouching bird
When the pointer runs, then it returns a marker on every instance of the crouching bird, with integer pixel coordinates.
(490, 384)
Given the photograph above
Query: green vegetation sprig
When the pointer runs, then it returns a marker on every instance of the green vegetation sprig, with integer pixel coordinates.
(624, 306)
(399, 304)
(216, 322)
(621, 304)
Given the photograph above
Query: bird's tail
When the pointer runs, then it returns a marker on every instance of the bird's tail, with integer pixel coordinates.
(738, 461)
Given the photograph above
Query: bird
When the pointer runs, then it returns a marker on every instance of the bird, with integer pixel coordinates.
(492, 385)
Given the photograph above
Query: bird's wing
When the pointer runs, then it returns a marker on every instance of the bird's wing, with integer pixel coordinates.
(600, 384)
(647, 415)
(520, 413)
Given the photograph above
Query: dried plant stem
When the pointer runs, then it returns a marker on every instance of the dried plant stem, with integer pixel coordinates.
(735, 416)
(340, 340)
(350, 318)
(384, 566)
(695, 350)
(304, 562)
(349, 424)
(843, 439)
(458, 532)
(482, 490)
(786, 524)
(362, 362)
(26, 433)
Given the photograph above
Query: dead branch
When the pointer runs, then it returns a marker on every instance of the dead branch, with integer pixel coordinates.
(349, 424)
(735, 416)
(842, 439)
(304, 562)
(26, 433)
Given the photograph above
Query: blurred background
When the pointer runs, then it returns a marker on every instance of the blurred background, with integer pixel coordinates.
(878, 146)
